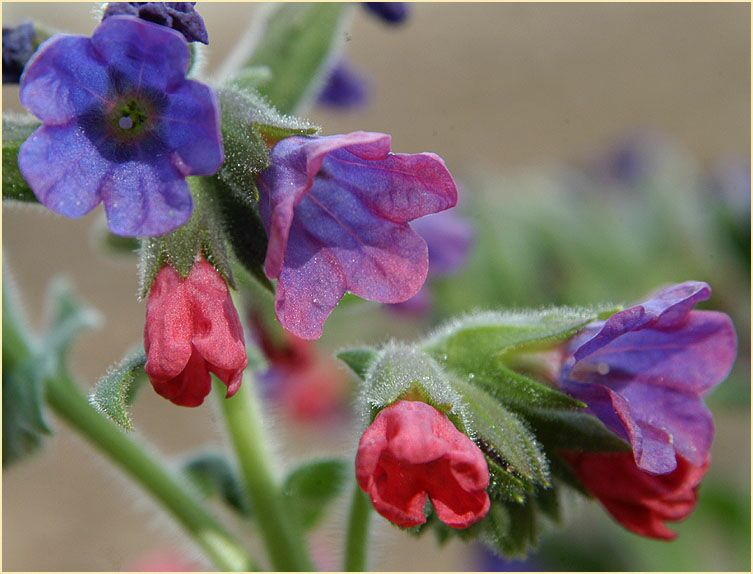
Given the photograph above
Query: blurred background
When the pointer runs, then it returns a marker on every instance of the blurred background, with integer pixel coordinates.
(603, 150)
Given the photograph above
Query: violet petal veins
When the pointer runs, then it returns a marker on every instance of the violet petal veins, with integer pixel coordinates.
(336, 210)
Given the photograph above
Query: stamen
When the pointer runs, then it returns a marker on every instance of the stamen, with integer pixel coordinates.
(125, 122)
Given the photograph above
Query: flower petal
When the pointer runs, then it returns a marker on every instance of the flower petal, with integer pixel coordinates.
(63, 168)
(217, 330)
(191, 127)
(147, 54)
(63, 79)
(145, 199)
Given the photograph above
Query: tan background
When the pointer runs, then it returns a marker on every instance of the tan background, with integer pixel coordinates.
(484, 85)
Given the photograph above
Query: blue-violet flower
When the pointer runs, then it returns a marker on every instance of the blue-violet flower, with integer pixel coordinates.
(121, 125)
(389, 12)
(343, 89)
(643, 373)
(336, 210)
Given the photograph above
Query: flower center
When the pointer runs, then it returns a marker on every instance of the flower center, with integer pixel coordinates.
(131, 115)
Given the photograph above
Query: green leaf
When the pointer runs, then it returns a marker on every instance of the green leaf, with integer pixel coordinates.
(212, 475)
(67, 318)
(24, 424)
(312, 486)
(570, 430)
(548, 502)
(297, 43)
(16, 128)
(358, 359)
(503, 436)
(114, 392)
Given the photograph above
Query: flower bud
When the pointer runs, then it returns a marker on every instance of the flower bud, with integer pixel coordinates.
(192, 328)
(412, 451)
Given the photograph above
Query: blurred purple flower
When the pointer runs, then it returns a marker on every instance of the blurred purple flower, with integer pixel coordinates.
(180, 16)
(450, 238)
(18, 47)
(643, 373)
(121, 125)
(336, 210)
(389, 12)
(344, 88)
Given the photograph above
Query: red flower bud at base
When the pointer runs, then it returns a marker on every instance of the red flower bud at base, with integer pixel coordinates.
(192, 329)
(638, 500)
(412, 451)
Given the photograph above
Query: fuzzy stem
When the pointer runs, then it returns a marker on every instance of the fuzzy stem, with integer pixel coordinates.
(287, 551)
(70, 404)
(358, 532)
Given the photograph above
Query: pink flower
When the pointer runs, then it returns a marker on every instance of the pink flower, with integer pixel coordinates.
(192, 329)
(412, 451)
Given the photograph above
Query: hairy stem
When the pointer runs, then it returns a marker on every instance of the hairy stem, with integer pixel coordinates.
(358, 532)
(70, 404)
(287, 550)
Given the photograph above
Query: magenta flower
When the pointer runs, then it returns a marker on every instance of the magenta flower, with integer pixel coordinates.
(644, 371)
(336, 210)
(121, 125)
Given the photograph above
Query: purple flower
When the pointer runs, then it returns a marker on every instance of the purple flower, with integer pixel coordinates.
(18, 47)
(389, 12)
(180, 16)
(121, 125)
(643, 373)
(344, 88)
(336, 210)
(450, 239)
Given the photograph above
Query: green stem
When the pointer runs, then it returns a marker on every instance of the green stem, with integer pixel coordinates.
(358, 532)
(67, 400)
(284, 544)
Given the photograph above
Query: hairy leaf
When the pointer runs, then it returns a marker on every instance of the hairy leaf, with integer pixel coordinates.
(114, 392)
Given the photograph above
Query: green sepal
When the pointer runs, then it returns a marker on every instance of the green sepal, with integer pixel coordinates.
(16, 128)
(568, 430)
(115, 391)
(213, 475)
(179, 249)
(311, 487)
(471, 342)
(358, 359)
(505, 486)
(516, 389)
(402, 372)
(298, 41)
(250, 124)
(244, 230)
(503, 436)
